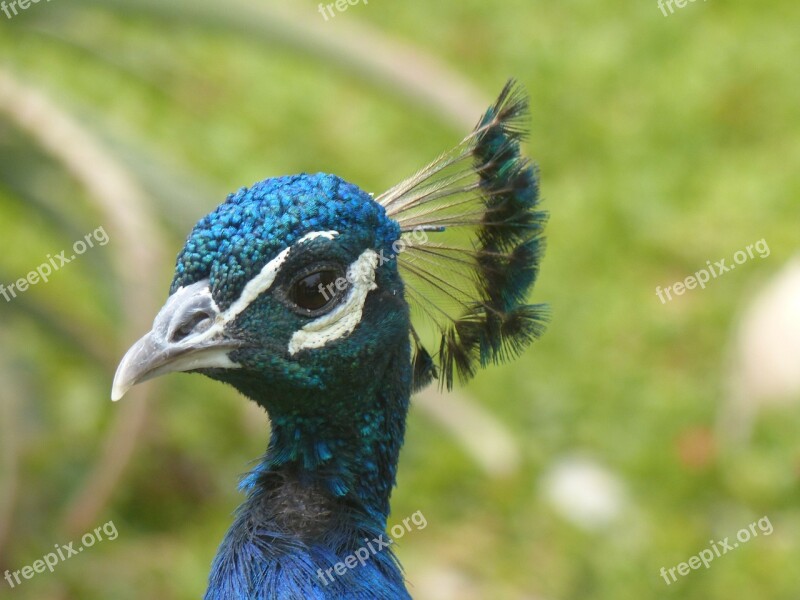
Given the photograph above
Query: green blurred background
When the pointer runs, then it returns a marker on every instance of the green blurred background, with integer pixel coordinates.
(576, 472)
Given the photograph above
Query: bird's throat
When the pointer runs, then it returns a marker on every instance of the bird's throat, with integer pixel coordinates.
(342, 445)
(321, 492)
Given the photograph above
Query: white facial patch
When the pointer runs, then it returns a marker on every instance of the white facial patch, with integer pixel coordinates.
(343, 319)
(168, 348)
(254, 288)
(315, 234)
(264, 280)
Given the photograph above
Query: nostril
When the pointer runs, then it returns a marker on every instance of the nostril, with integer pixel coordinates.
(194, 323)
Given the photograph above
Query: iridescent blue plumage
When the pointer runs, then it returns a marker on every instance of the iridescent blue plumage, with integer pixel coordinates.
(296, 291)
(255, 223)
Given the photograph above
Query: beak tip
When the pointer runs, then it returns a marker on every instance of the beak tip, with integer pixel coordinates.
(118, 391)
(122, 383)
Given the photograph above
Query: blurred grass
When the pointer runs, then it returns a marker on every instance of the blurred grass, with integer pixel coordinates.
(663, 143)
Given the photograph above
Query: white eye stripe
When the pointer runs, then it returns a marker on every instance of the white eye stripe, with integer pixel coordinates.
(315, 234)
(254, 288)
(264, 280)
(343, 319)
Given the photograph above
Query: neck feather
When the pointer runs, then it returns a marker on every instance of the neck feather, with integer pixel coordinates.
(322, 490)
(345, 440)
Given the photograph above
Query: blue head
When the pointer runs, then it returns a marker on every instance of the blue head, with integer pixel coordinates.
(292, 266)
(287, 292)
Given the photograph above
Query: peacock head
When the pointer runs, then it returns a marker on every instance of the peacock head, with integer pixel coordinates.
(294, 285)
(289, 286)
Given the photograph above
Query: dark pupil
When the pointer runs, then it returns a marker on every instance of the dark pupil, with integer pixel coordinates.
(314, 291)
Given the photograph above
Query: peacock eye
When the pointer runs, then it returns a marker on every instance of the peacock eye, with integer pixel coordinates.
(316, 290)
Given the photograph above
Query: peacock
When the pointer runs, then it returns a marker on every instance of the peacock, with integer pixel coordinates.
(329, 307)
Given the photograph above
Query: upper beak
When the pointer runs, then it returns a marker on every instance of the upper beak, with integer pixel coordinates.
(187, 334)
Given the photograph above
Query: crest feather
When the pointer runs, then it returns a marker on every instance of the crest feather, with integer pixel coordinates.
(474, 242)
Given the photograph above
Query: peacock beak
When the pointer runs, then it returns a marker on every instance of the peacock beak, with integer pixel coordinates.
(188, 334)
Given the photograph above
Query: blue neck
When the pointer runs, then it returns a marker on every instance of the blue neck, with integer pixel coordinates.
(320, 496)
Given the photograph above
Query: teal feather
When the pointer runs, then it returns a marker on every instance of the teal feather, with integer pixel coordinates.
(487, 190)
